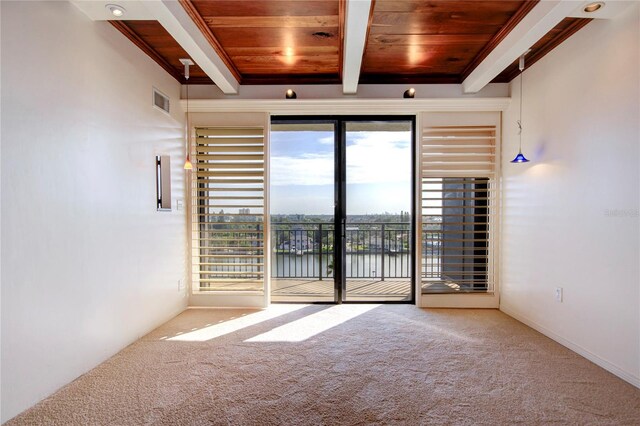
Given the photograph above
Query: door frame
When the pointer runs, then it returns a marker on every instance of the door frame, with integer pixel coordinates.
(340, 192)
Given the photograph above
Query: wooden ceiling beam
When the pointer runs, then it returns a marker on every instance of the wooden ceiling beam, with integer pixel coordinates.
(213, 41)
(544, 46)
(499, 36)
(540, 20)
(357, 19)
(178, 22)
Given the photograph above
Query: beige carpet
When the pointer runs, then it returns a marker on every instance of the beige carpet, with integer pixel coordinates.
(349, 364)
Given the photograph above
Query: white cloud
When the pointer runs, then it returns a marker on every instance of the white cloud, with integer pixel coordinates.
(372, 157)
(309, 169)
(327, 140)
(379, 157)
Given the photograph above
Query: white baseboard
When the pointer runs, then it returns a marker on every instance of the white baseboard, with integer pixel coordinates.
(189, 308)
(227, 300)
(460, 300)
(614, 369)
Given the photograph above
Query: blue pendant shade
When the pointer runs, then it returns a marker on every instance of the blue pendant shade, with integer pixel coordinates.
(520, 158)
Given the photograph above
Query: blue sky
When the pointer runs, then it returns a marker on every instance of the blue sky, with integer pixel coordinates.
(378, 172)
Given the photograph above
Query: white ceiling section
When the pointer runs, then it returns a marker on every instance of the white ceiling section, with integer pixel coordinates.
(538, 22)
(611, 9)
(355, 37)
(96, 10)
(179, 24)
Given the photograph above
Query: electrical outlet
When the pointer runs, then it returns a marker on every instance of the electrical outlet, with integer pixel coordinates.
(559, 294)
(180, 285)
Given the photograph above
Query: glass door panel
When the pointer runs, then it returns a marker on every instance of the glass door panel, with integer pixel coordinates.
(377, 230)
(302, 200)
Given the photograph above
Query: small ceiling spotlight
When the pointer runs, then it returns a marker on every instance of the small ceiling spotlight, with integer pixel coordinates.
(592, 7)
(117, 11)
(290, 94)
(409, 93)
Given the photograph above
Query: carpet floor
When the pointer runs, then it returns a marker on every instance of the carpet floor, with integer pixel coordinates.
(342, 365)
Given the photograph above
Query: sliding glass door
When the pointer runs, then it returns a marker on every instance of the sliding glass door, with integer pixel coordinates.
(302, 205)
(340, 207)
(378, 246)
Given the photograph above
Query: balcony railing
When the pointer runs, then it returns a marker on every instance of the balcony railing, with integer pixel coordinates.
(373, 250)
(452, 256)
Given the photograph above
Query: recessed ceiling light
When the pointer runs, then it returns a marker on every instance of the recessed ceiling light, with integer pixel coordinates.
(290, 94)
(115, 10)
(592, 7)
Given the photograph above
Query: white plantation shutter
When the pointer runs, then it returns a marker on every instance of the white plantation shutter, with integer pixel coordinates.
(458, 151)
(228, 209)
(458, 187)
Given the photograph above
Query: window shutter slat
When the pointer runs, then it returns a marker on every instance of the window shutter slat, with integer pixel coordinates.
(229, 148)
(213, 133)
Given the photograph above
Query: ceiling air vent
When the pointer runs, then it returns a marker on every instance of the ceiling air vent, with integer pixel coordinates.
(322, 35)
(160, 100)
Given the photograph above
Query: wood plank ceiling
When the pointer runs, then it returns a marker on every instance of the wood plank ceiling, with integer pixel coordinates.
(301, 41)
(434, 41)
(275, 41)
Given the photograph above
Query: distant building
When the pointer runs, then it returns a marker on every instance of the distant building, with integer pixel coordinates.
(298, 241)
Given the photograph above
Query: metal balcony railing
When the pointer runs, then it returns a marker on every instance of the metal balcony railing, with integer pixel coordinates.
(373, 250)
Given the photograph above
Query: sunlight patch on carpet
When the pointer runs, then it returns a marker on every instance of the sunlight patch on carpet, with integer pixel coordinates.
(226, 327)
(309, 326)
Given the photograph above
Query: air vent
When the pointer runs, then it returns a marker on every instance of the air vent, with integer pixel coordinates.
(322, 35)
(160, 100)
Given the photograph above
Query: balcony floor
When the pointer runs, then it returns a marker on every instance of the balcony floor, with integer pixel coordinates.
(358, 289)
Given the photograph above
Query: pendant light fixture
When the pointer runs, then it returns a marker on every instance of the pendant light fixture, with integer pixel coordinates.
(187, 162)
(520, 158)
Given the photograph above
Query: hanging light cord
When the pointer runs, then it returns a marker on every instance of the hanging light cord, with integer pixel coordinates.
(189, 126)
(187, 162)
(520, 120)
(520, 158)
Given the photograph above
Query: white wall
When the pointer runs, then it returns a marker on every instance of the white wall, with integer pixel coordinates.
(570, 216)
(88, 264)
